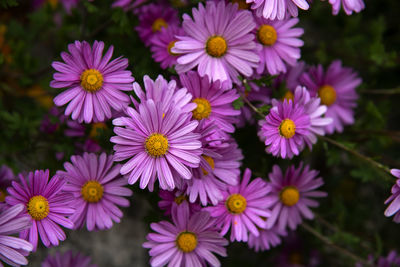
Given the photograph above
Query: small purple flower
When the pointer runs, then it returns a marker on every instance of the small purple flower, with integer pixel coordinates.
(162, 43)
(159, 144)
(279, 44)
(219, 42)
(214, 105)
(189, 241)
(97, 189)
(394, 199)
(348, 6)
(6, 177)
(267, 239)
(336, 88)
(291, 195)
(391, 260)
(285, 129)
(13, 249)
(154, 17)
(67, 259)
(94, 84)
(278, 9)
(171, 200)
(244, 208)
(46, 204)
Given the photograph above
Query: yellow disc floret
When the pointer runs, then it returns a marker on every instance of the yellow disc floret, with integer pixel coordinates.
(203, 109)
(186, 241)
(170, 46)
(267, 35)
(91, 80)
(236, 203)
(327, 94)
(179, 199)
(289, 195)
(210, 161)
(38, 207)
(216, 46)
(92, 191)
(241, 4)
(3, 195)
(158, 24)
(156, 145)
(288, 96)
(287, 128)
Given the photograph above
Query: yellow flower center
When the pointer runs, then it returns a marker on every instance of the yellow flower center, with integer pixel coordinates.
(236, 203)
(210, 161)
(289, 195)
(96, 129)
(3, 194)
(179, 199)
(91, 80)
(216, 46)
(92, 191)
(242, 4)
(287, 128)
(203, 109)
(38, 207)
(170, 46)
(53, 3)
(267, 35)
(288, 96)
(158, 24)
(156, 145)
(327, 94)
(186, 241)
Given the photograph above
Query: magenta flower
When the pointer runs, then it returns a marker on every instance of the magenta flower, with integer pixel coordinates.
(97, 188)
(244, 208)
(94, 84)
(13, 249)
(172, 200)
(46, 204)
(336, 88)
(218, 42)
(6, 177)
(291, 195)
(67, 259)
(213, 104)
(285, 129)
(279, 43)
(278, 9)
(348, 6)
(164, 92)
(158, 143)
(188, 241)
(267, 239)
(154, 17)
(162, 43)
(394, 199)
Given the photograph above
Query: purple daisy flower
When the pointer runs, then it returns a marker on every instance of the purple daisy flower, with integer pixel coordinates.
(189, 241)
(127, 5)
(279, 43)
(46, 204)
(13, 249)
(158, 143)
(267, 239)
(213, 104)
(219, 42)
(278, 9)
(336, 88)
(285, 129)
(171, 200)
(154, 17)
(68, 259)
(394, 199)
(164, 92)
(94, 84)
(98, 189)
(244, 208)
(162, 43)
(348, 6)
(291, 195)
(6, 177)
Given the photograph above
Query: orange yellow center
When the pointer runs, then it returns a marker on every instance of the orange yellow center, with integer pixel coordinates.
(91, 80)
(288, 96)
(92, 191)
(289, 195)
(287, 128)
(158, 24)
(38, 207)
(216, 46)
(186, 241)
(236, 203)
(156, 145)
(3, 195)
(210, 161)
(179, 199)
(327, 94)
(203, 109)
(242, 4)
(267, 35)
(170, 46)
